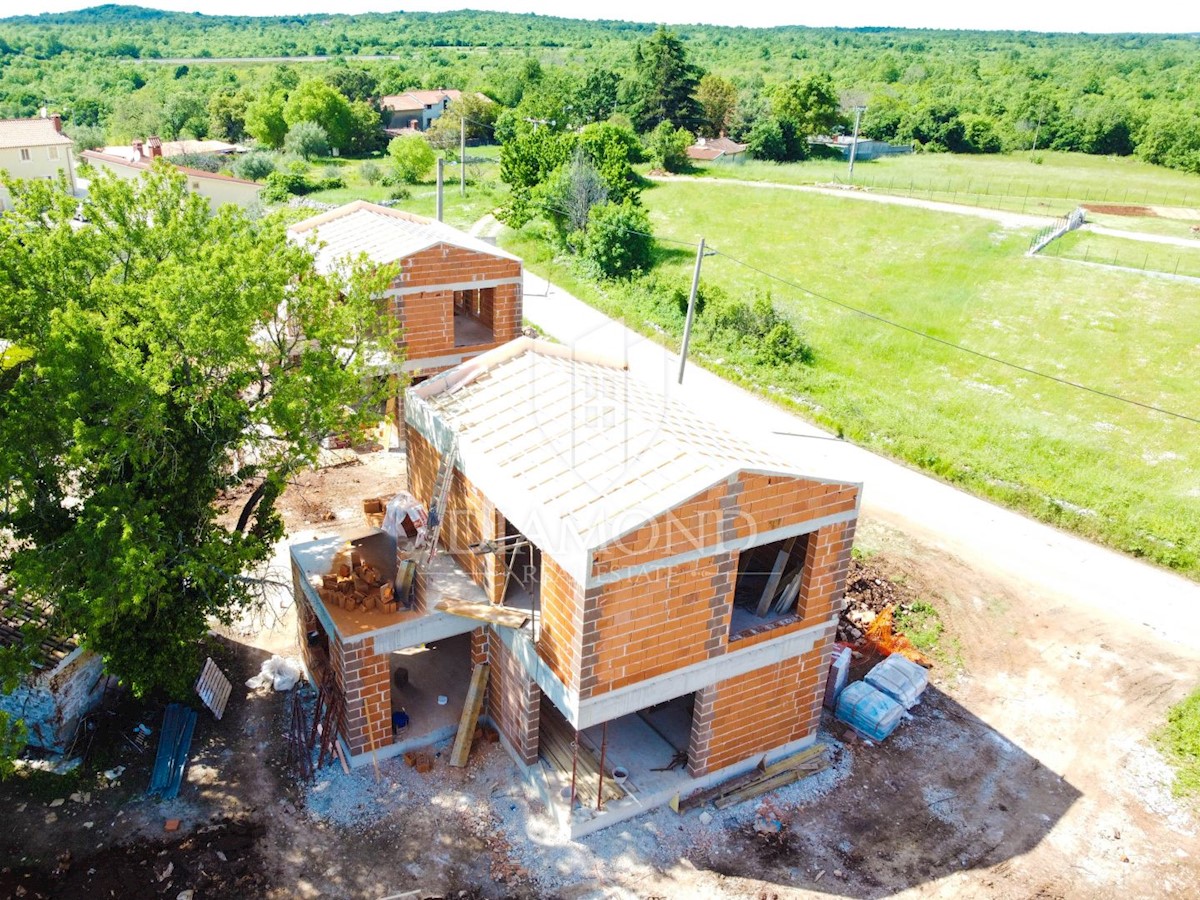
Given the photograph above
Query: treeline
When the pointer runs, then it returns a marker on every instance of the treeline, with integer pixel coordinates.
(952, 91)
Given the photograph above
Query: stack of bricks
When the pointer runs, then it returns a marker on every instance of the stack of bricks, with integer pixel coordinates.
(366, 679)
(759, 711)
(355, 585)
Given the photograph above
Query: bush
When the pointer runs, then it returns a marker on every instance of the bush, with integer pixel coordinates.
(306, 140)
(771, 339)
(618, 240)
(399, 193)
(254, 166)
(412, 158)
(281, 185)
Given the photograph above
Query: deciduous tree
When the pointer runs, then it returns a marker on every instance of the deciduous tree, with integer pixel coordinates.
(170, 354)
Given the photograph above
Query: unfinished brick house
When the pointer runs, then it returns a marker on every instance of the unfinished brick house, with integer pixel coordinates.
(665, 593)
(456, 295)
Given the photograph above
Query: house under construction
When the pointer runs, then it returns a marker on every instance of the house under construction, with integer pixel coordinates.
(640, 602)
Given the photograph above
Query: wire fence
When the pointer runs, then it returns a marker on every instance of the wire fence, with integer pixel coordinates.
(1018, 195)
(1061, 226)
(1143, 257)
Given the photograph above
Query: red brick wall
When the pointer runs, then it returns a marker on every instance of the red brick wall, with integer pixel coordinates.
(562, 622)
(469, 518)
(365, 678)
(688, 527)
(647, 625)
(767, 502)
(513, 700)
(751, 714)
(427, 317)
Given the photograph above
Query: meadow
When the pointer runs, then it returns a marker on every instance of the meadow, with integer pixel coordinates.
(1045, 182)
(1109, 470)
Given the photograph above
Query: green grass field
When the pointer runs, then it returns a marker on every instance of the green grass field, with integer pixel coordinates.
(1114, 251)
(1111, 471)
(1011, 181)
(482, 195)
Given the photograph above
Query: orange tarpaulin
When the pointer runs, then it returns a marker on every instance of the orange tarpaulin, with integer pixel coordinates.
(882, 636)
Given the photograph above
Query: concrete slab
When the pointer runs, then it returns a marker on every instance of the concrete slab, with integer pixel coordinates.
(443, 669)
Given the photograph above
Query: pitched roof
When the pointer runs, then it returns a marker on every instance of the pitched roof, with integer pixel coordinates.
(141, 162)
(36, 132)
(711, 148)
(574, 449)
(179, 148)
(385, 235)
(417, 99)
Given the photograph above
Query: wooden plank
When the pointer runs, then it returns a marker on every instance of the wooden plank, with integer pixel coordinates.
(796, 759)
(756, 789)
(470, 716)
(787, 597)
(504, 616)
(768, 594)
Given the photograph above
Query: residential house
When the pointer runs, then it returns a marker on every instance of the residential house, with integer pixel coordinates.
(172, 149)
(713, 149)
(218, 189)
(34, 148)
(413, 111)
(651, 593)
(456, 295)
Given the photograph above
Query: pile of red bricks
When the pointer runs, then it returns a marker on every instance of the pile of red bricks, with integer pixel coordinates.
(356, 585)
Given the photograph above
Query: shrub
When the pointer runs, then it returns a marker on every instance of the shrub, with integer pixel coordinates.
(399, 193)
(370, 172)
(771, 339)
(254, 166)
(618, 240)
(668, 147)
(306, 140)
(412, 158)
(281, 185)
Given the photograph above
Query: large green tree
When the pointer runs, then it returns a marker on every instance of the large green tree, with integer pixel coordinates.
(264, 119)
(167, 354)
(663, 84)
(316, 101)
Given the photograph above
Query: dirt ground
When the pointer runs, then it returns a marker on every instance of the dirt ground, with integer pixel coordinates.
(1024, 772)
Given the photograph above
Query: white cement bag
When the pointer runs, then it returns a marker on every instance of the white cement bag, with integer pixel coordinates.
(278, 673)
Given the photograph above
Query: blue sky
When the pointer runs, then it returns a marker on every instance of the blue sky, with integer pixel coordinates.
(1032, 15)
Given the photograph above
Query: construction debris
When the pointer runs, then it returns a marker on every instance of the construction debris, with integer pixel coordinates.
(867, 620)
(760, 780)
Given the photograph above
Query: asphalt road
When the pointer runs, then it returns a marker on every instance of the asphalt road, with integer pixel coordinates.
(1055, 565)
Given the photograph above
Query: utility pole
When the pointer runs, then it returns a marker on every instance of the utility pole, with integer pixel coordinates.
(441, 165)
(691, 310)
(858, 111)
(462, 156)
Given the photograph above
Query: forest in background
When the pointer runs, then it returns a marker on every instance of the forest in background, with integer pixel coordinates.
(953, 91)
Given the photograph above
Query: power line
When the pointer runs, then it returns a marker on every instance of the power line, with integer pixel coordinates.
(930, 337)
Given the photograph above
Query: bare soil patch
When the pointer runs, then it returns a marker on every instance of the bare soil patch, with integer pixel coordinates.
(1116, 209)
(1024, 772)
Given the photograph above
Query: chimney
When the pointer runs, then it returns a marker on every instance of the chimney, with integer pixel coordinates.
(155, 146)
(57, 120)
(137, 149)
